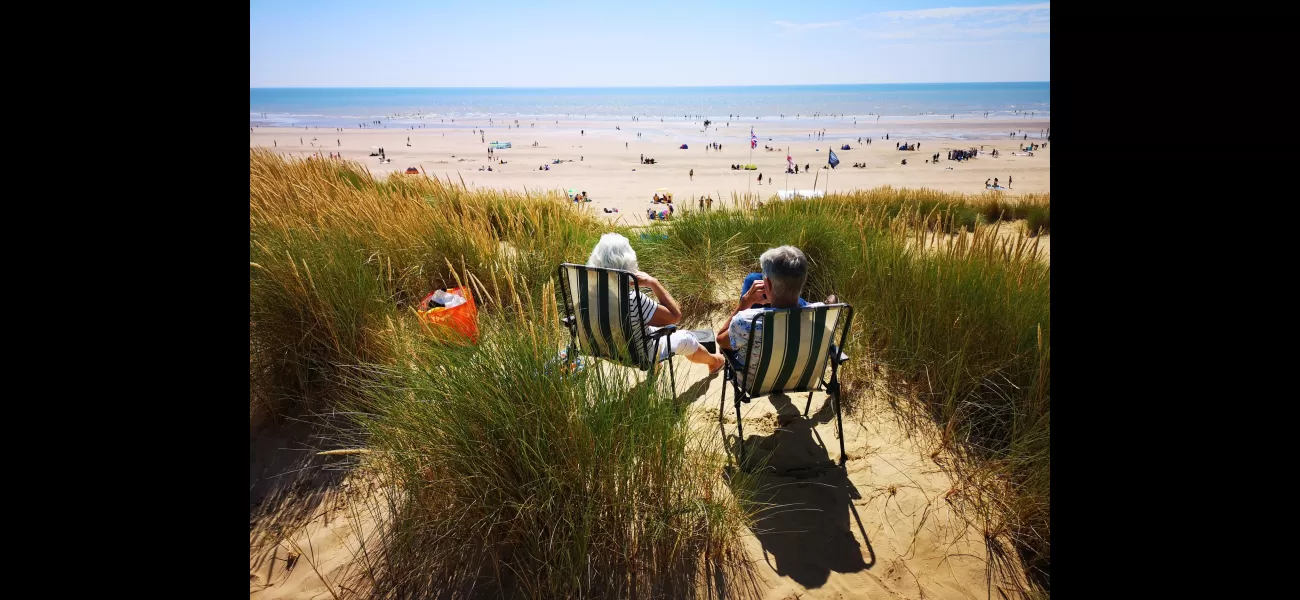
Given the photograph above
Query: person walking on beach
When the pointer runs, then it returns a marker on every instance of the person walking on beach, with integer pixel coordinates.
(1008, 182)
(339, 141)
(701, 203)
(708, 203)
(692, 174)
(760, 179)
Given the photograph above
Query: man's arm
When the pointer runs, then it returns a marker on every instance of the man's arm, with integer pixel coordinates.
(668, 312)
(754, 296)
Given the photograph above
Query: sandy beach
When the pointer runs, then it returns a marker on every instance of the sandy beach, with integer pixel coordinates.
(603, 157)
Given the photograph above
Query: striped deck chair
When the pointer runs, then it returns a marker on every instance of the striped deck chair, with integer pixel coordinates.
(796, 343)
(603, 321)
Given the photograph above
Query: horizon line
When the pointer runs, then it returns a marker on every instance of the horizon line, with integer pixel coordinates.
(606, 87)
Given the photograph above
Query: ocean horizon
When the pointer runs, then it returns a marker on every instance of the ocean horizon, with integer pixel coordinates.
(350, 107)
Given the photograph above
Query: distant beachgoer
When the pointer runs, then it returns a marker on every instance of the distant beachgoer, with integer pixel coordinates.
(708, 202)
(760, 179)
(692, 174)
(995, 182)
(769, 180)
(1008, 182)
(275, 144)
(986, 182)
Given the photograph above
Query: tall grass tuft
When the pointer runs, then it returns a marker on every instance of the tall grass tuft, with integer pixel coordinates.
(335, 252)
(507, 479)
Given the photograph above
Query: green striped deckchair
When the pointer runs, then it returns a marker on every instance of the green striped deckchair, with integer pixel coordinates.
(603, 320)
(796, 345)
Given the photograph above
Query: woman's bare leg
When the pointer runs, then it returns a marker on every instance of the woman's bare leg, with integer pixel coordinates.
(704, 357)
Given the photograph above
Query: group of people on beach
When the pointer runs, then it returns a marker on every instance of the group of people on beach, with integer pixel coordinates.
(995, 185)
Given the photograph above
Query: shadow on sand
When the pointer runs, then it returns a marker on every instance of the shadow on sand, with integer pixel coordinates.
(805, 500)
(288, 485)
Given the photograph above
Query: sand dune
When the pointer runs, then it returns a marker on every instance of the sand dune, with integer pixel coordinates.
(883, 527)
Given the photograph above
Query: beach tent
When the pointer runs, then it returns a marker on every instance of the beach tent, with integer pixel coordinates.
(683, 147)
(751, 167)
(844, 147)
(499, 145)
(412, 171)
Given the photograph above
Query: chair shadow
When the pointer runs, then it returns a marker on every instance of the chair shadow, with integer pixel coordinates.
(805, 499)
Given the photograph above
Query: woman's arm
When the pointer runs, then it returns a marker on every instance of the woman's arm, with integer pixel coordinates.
(668, 313)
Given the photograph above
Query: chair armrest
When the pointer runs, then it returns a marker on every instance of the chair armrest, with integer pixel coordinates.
(662, 331)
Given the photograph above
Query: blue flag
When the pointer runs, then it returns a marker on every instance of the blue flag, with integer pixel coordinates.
(835, 162)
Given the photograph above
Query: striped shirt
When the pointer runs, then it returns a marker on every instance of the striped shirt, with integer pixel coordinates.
(648, 306)
(740, 335)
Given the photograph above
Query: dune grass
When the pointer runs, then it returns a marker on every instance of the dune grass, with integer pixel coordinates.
(515, 482)
(334, 253)
(502, 477)
(961, 323)
(497, 475)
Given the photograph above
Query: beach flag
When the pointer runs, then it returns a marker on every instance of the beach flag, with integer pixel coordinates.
(753, 139)
(789, 160)
(835, 162)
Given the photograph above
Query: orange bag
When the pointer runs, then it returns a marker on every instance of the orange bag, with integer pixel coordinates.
(451, 324)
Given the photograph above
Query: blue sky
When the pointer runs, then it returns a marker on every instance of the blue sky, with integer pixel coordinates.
(513, 43)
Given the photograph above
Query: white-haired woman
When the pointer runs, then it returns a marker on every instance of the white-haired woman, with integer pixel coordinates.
(614, 252)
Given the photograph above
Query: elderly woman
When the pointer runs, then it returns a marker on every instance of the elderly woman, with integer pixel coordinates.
(614, 252)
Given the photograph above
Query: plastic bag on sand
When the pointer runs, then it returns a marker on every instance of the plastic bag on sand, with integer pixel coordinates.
(456, 320)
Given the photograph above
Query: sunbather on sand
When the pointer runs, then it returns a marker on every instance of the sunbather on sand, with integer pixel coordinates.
(614, 252)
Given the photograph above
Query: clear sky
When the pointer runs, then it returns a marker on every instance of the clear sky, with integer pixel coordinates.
(520, 43)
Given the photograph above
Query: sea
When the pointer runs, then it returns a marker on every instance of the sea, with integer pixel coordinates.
(436, 107)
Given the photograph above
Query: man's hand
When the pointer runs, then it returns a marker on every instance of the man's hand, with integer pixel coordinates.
(644, 278)
(757, 294)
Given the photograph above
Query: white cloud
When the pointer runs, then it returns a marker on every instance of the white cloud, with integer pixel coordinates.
(960, 24)
(793, 28)
(957, 12)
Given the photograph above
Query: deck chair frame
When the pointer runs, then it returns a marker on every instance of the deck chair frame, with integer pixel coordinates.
(746, 390)
(626, 342)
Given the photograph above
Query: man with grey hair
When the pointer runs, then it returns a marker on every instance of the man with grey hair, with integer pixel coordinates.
(785, 271)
